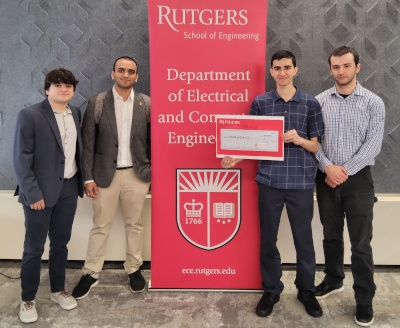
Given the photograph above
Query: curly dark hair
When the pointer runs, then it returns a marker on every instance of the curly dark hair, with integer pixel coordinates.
(59, 75)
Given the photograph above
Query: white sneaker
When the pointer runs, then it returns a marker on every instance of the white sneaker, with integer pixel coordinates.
(65, 300)
(27, 312)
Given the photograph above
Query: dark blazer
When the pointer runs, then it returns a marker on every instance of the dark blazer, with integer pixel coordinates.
(39, 157)
(99, 158)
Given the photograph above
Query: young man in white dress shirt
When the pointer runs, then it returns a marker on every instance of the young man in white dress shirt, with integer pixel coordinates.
(116, 167)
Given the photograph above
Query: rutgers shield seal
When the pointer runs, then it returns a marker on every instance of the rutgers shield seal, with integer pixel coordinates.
(208, 206)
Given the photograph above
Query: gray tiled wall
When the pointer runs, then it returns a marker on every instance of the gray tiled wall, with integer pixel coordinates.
(86, 36)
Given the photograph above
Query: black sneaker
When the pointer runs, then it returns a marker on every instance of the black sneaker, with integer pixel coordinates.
(364, 315)
(266, 304)
(323, 290)
(83, 287)
(307, 297)
(136, 282)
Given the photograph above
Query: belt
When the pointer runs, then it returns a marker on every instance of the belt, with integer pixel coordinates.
(69, 178)
(124, 168)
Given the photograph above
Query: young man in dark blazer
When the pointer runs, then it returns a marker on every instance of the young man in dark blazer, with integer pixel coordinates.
(116, 165)
(47, 162)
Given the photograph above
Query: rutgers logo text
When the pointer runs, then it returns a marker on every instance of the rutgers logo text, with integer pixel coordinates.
(174, 17)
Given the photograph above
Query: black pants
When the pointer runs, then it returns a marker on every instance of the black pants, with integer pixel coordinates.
(299, 206)
(353, 200)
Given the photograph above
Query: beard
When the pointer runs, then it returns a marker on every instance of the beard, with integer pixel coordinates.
(124, 85)
(345, 82)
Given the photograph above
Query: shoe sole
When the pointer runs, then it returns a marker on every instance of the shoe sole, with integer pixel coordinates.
(80, 297)
(27, 320)
(69, 307)
(137, 291)
(322, 297)
(363, 324)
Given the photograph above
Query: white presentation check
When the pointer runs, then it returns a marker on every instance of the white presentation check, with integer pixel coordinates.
(232, 139)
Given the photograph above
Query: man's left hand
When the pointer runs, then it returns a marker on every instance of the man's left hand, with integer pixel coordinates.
(292, 136)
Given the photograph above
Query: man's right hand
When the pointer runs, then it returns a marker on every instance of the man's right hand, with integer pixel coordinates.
(229, 162)
(91, 189)
(336, 174)
(38, 205)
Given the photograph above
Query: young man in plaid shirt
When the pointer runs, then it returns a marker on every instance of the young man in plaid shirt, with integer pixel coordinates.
(289, 182)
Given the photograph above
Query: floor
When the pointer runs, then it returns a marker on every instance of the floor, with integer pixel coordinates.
(111, 304)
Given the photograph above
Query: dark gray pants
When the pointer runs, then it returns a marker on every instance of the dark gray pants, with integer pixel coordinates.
(299, 206)
(56, 222)
(353, 200)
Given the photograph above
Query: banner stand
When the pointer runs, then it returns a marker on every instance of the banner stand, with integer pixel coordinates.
(207, 58)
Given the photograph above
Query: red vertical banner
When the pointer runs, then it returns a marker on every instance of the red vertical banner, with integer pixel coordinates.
(207, 58)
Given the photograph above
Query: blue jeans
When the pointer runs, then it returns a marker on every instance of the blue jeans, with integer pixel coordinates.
(300, 208)
(353, 200)
(56, 222)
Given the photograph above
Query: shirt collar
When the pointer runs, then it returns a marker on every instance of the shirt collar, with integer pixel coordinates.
(358, 91)
(117, 96)
(296, 97)
(68, 111)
